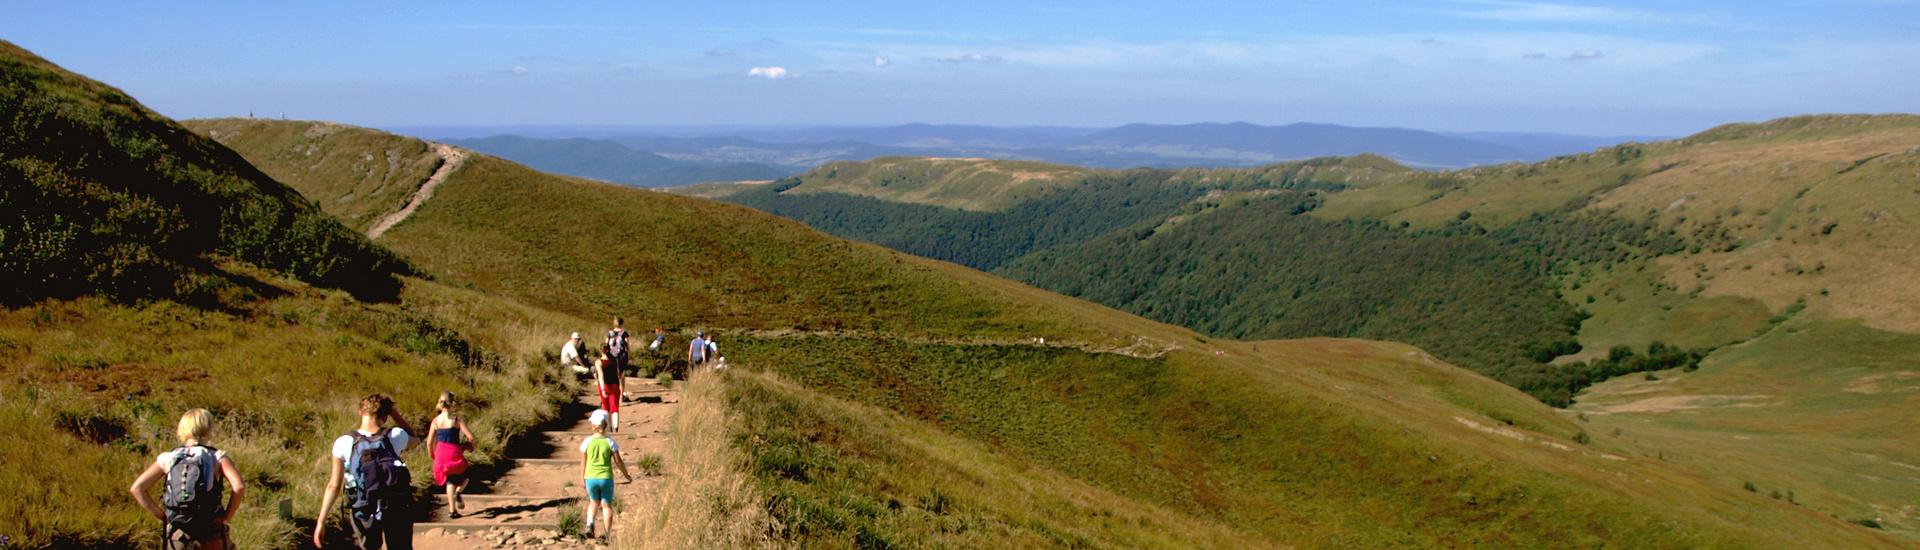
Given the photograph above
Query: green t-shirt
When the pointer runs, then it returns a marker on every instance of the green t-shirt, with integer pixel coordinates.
(599, 451)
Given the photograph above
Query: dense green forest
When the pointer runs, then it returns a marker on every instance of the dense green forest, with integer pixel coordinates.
(1095, 206)
(1231, 253)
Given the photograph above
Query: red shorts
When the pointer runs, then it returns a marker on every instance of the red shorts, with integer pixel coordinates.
(610, 398)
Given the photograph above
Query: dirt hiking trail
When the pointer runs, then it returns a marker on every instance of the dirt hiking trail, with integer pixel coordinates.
(518, 503)
(451, 158)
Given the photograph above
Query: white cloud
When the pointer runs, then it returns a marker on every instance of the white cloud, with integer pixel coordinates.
(970, 58)
(880, 61)
(770, 73)
(1583, 55)
(519, 69)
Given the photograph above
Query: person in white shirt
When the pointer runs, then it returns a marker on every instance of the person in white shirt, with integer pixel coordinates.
(199, 533)
(572, 355)
(389, 522)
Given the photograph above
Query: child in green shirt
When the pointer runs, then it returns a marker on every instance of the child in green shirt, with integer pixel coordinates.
(599, 454)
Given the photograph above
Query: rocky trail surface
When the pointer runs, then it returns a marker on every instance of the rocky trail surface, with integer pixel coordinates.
(519, 503)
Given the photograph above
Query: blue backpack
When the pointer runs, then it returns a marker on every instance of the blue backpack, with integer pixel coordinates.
(192, 497)
(376, 479)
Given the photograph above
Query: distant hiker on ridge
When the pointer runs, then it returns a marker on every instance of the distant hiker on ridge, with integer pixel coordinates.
(617, 341)
(573, 356)
(599, 454)
(449, 451)
(697, 350)
(193, 518)
(379, 487)
(607, 378)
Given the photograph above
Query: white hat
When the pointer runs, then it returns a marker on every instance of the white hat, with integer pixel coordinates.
(598, 418)
(576, 336)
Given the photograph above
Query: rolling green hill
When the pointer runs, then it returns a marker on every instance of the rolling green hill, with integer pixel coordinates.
(152, 270)
(1657, 258)
(884, 399)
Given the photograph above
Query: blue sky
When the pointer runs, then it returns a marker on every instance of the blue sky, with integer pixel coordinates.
(1613, 68)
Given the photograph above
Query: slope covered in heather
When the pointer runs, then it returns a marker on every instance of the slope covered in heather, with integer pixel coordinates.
(845, 349)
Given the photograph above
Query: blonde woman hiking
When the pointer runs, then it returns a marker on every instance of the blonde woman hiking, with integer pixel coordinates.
(192, 516)
(599, 455)
(449, 451)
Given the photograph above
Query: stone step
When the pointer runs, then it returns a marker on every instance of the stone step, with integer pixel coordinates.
(634, 431)
(441, 498)
(475, 527)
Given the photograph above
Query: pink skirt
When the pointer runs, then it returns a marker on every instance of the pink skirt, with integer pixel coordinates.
(448, 460)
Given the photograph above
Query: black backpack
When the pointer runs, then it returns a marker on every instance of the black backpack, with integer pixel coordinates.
(192, 498)
(376, 479)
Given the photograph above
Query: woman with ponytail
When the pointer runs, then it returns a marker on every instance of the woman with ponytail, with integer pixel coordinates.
(449, 451)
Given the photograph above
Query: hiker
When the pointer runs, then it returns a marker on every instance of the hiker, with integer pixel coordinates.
(573, 356)
(599, 454)
(607, 376)
(656, 349)
(192, 518)
(379, 487)
(617, 342)
(713, 349)
(697, 350)
(449, 451)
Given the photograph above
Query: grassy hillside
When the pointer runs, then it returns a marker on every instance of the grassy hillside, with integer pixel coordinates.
(357, 177)
(1719, 243)
(966, 184)
(155, 271)
(851, 346)
(100, 195)
(1060, 214)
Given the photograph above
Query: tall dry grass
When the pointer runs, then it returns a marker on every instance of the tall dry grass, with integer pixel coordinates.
(706, 500)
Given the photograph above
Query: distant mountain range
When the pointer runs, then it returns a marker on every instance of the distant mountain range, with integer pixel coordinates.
(666, 157)
(611, 161)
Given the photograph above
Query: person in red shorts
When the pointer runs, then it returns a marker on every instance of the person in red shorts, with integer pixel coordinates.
(607, 374)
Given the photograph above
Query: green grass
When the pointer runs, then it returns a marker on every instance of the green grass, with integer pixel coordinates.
(1311, 442)
(1176, 433)
(355, 176)
(99, 195)
(650, 464)
(967, 184)
(1820, 408)
(155, 271)
(282, 376)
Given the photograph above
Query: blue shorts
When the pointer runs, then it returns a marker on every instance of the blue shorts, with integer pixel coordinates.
(600, 490)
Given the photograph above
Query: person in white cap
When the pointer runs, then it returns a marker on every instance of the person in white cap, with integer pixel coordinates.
(572, 355)
(599, 455)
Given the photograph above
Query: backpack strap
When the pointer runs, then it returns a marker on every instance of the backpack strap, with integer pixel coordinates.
(353, 456)
(209, 466)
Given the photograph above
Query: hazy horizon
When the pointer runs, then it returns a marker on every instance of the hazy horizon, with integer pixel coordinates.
(1637, 68)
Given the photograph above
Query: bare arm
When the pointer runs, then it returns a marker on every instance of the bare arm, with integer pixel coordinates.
(465, 433)
(622, 463)
(413, 436)
(237, 485)
(139, 489)
(326, 502)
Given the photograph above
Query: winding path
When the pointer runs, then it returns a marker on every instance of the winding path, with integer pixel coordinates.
(450, 160)
(518, 503)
